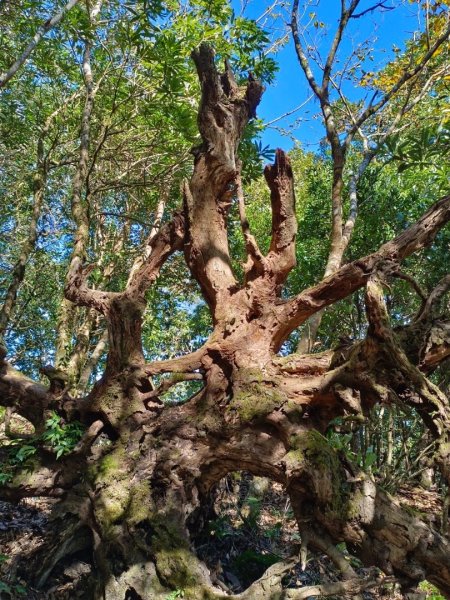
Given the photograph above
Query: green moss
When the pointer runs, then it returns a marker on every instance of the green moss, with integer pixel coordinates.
(112, 504)
(353, 508)
(295, 460)
(178, 377)
(118, 401)
(175, 560)
(254, 400)
(139, 503)
(212, 422)
(251, 375)
(293, 410)
(112, 479)
(312, 451)
(113, 463)
(28, 475)
(444, 449)
(312, 447)
(178, 566)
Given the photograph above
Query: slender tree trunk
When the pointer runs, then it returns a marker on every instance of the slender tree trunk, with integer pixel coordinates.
(18, 273)
(39, 184)
(78, 203)
(42, 30)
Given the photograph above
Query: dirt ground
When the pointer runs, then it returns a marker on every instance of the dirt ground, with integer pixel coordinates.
(250, 526)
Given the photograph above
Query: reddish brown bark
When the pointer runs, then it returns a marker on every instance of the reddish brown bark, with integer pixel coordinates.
(132, 495)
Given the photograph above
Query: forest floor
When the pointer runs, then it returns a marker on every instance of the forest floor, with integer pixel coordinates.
(251, 526)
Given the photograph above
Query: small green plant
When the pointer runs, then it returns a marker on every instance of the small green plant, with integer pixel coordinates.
(250, 565)
(19, 454)
(431, 591)
(274, 533)
(13, 589)
(61, 438)
(342, 443)
(175, 594)
(5, 477)
(254, 512)
(220, 528)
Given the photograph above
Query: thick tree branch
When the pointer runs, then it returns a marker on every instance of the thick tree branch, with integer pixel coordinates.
(255, 258)
(79, 208)
(281, 256)
(160, 246)
(354, 275)
(225, 109)
(78, 291)
(92, 362)
(29, 398)
(341, 589)
(182, 364)
(424, 396)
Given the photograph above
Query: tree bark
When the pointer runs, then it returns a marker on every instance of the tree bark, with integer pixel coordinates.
(137, 481)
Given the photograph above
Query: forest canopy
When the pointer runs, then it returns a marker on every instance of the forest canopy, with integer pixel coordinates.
(182, 301)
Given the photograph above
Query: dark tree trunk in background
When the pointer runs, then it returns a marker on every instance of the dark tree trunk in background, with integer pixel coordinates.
(143, 470)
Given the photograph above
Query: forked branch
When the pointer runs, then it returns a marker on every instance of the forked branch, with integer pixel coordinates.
(284, 220)
(225, 109)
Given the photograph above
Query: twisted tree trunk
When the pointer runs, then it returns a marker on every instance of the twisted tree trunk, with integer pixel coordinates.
(137, 481)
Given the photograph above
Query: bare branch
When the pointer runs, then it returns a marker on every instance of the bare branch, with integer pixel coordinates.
(301, 53)
(169, 239)
(92, 362)
(169, 382)
(159, 213)
(289, 112)
(343, 21)
(372, 8)
(407, 76)
(433, 299)
(43, 29)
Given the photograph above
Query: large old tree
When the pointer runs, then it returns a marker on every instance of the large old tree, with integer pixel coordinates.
(138, 482)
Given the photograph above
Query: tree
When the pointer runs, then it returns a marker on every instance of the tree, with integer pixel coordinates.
(395, 95)
(137, 481)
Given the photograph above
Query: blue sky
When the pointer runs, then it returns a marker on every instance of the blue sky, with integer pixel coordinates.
(384, 29)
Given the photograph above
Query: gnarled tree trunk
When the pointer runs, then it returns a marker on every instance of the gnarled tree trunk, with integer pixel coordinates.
(137, 481)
